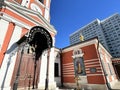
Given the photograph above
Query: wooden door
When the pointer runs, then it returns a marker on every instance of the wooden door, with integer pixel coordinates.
(117, 66)
(26, 74)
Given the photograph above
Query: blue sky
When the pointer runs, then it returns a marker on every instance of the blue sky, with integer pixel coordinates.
(67, 16)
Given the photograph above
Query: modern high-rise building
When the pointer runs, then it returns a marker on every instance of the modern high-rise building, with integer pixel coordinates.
(111, 30)
(107, 31)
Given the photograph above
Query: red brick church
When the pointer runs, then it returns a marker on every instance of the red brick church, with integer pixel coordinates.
(92, 63)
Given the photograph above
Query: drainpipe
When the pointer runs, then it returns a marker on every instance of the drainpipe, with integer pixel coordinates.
(107, 83)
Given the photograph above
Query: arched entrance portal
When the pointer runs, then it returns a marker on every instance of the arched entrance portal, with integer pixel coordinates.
(27, 68)
(40, 38)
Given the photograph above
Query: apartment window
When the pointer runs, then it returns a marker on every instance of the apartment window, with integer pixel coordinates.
(117, 28)
(56, 70)
(113, 53)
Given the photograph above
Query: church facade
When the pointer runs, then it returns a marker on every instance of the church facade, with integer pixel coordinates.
(29, 59)
(25, 32)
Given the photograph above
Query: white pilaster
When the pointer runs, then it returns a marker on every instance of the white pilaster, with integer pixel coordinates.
(52, 83)
(46, 14)
(8, 64)
(3, 29)
(43, 68)
(47, 10)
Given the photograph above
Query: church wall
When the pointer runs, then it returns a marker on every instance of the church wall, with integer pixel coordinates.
(6, 40)
(4, 26)
(9, 58)
(91, 61)
(57, 74)
(109, 71)
(67, 67)
(16, 20)
(93, 65)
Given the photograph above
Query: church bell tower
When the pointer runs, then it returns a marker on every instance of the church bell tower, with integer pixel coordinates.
(40, 6)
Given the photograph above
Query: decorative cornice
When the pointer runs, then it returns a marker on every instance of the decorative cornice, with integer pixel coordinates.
(20, 9)
(16, 21)
(80, 45)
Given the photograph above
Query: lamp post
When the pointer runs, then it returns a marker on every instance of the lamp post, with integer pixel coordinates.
(77, 79)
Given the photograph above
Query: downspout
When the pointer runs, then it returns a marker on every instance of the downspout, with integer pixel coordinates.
(107, 83)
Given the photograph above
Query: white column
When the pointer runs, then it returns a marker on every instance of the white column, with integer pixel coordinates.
(43, 68)
(52, 83)
(53, 38)
(8, 64)
(47, 14)
(47, 10)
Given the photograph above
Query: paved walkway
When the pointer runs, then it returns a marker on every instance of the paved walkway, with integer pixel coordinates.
(116, 86)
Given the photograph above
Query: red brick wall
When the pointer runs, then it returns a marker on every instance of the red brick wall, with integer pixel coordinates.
(67, 67)
(91, 60)
(67, 57)
(96, 79)
(89, 52)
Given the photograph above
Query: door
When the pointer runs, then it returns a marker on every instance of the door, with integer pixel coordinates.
(26, 71)
(117, 66)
